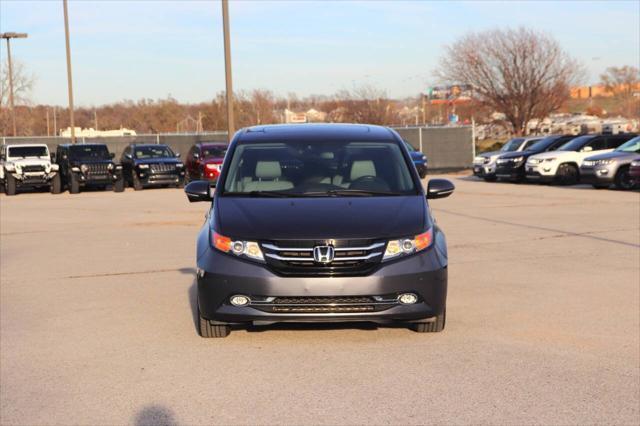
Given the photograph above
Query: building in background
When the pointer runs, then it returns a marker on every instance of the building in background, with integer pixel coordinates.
(93, 133)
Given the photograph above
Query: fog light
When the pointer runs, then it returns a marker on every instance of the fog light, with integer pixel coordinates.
(240, 300)
(407, 298)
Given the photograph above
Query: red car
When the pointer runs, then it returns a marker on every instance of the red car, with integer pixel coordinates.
(634, 172)
(204, 161)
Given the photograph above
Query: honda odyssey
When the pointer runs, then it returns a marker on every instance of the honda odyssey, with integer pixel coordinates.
(319, 223)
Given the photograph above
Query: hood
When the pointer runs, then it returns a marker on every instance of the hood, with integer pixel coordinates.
(320, 218)
(31, 161)
(553, 154)
(613, 155)
(490, 154)
(165, 160)
(516, 154)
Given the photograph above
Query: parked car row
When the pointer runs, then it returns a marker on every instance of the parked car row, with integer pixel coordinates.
(74, 167)
(597, 159)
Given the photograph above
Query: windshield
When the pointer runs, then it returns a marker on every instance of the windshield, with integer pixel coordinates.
(301, 168)
(27, 151)
(512, 145)
(89, 152)
(214, 151)
(632, 145)
(147, 152)
(576, 144)
(543, 144)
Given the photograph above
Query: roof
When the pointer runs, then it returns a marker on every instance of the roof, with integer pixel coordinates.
(317, 131)
(68, 145)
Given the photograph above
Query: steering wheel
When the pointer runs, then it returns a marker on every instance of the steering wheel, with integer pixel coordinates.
(369, 183)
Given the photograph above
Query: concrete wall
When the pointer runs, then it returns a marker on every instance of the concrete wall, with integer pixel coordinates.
(445, 147)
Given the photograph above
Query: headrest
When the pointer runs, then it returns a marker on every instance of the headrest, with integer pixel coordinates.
(268, 170)
(360, 168)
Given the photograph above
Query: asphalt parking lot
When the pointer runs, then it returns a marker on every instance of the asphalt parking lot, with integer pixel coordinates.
(543, 324)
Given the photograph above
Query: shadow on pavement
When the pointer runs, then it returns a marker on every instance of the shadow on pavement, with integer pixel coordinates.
(156, 415)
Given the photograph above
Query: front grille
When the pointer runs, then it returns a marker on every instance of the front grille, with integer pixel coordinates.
(33, 169)
(324, 304)
(162, 168)
(98, 170)
(351, 257)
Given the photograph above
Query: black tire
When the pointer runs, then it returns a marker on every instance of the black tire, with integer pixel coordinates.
(2, 189)
(622, 179)
(567, 174)
(74, 185)
(181, 183)
(206, 329)
(422, 174)
(137, 185)
(431, 327)
(10, 188)
(56, 184)
(118, 185)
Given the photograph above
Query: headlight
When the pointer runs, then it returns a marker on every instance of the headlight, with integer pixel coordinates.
(635, 163)
(119, 167)
(75, 169)
(478, 160)
(10, 167)
(110, 166)
(406, 246)
(179, 165)
(534, 160)
(424, 158)
(143, 166)
(604, 162)
(517, 159)
(249, 249)
(55, 167)
(84, 168)
(588, 163)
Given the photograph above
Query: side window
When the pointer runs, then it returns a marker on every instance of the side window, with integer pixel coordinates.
(616, 141)
(597, 143)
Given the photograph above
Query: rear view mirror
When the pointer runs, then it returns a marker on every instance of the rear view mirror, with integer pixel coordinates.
(199, 190)
(439, 188)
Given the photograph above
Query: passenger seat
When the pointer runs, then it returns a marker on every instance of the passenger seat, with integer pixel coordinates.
(268, 174)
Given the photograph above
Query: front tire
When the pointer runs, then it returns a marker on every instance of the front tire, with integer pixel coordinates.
(433, 326)
(137, 185)
(208, 330)
(74, 185)
(10, 185)
(623, 180)
(118, 186)
(56, 184)
(567, 174)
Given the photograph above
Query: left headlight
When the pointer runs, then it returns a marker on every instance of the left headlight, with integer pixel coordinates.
(143, 166)
(110, 166)
(84, 168)
(407, 246)
(179, 165)
(240, 248)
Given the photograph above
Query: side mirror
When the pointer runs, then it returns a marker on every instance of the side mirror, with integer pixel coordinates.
(128, 156)
(196, 155)
(177, 155)
(112, 155)
(587, 149)
(199, 190)
(439, 188)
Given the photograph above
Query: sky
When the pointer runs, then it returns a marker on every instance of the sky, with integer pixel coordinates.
(154, 49)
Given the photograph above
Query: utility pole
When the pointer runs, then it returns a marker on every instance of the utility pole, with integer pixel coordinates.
(9, 36)
(95, 119)
(69, 79)
(55, 122)
(227, 68)
(48, 132)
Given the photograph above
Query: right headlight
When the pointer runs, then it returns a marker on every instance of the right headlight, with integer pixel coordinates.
(10, 167)
(247, 249)
(84, 168)
(143, 166)
(407, 246)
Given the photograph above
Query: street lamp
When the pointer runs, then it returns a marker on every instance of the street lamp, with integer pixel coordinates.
(69, 81)
(9, 36)
(227, 68)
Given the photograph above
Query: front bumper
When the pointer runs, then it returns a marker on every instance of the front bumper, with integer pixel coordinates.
(510, 172)
(97, 179)
(596, 175)
(222, 276)
(484, 170)
(33, 179)
(166, 178)
(540, 173)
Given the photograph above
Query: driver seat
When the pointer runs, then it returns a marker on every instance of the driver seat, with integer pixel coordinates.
(359, 168)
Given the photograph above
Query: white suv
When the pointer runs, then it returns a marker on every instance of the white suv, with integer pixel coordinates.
(27, 166)
(563, 165)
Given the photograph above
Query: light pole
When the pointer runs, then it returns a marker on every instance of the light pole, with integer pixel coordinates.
(227, 68)
(9, 36)
(69, 79)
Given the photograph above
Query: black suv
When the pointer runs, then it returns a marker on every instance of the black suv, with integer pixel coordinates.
(145, 165)
(88, 165)
(511, 167)
(320, 222)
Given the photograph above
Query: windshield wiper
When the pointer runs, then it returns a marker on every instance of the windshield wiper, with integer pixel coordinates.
(274, 194)
(350, 192)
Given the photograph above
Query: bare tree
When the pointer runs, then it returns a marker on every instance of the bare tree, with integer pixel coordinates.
(22, 85)
(521, 73)
(623, 82)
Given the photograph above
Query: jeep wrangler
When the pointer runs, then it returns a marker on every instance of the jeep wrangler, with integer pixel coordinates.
(27, 166)
(88, 165)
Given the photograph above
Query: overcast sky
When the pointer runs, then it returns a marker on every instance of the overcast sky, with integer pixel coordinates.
(152, 49)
